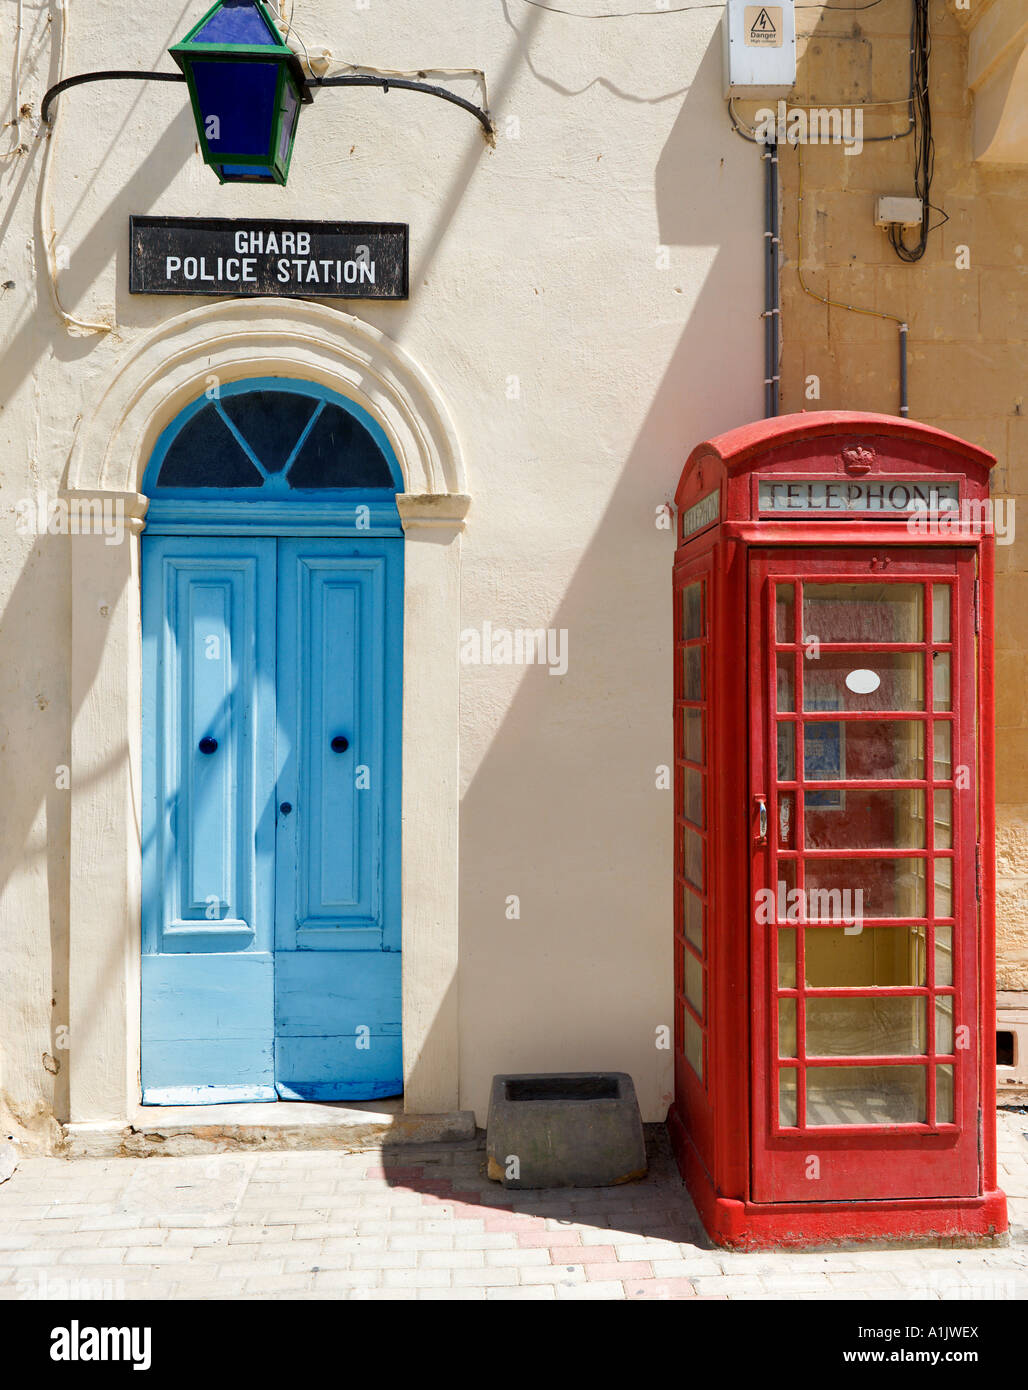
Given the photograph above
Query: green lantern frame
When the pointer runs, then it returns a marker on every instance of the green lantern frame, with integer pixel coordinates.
(291, 82)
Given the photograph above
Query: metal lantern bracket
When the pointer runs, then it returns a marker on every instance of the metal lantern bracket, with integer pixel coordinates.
(313, 83)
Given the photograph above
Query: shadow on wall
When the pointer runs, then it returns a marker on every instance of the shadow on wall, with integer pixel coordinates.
(36, 619)
(35, 648)
(563, 809)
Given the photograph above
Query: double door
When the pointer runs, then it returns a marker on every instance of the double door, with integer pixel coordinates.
(864, 834)
(271, 819)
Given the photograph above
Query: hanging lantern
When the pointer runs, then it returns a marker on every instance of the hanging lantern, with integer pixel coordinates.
(246, 87)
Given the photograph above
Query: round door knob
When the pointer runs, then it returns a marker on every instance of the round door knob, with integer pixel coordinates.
(340, 744)
(286, 807)
(208, 744)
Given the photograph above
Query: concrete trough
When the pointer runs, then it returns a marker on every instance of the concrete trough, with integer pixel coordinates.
(565, 1129)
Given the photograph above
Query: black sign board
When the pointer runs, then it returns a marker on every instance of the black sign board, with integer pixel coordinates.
(262, 256)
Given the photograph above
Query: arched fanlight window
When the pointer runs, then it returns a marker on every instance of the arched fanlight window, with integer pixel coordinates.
(272, 438)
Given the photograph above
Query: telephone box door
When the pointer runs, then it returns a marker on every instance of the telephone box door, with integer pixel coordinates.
(864, 831)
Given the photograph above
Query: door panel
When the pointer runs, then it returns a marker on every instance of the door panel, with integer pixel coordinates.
(208, 827)
(338, 1024)
(208, 1016)
(337, 900)
(863, 872)
(331, 607)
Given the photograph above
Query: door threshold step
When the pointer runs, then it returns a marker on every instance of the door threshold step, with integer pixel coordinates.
(179, 1130)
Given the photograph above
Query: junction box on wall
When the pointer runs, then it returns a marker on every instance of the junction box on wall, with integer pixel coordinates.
(759, 45)
(898, 212)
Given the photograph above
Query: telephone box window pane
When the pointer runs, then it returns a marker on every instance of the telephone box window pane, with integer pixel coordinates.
(785, 622)
(692, 857)
(787, 958)
(692, 918)
(786, 752)
(692, 611)
(694, 796)
(871, 1027)
(787, 1099)
(786, 885)
(787, 1027)
(887, 888)
(944, 887)
(694, 982)
(692, 673)
(786, 820)
(866, 1096)
(944, 1095)
(863, 612)
(941, 698)
(863, 681)
(944, 1024)
(943, 955)
(692, 1036)
(940, 613)
(877, 957)
(786, 682)
(879, 749)
(692, 734)
(879, 819)
(943, 818)
(943, 733)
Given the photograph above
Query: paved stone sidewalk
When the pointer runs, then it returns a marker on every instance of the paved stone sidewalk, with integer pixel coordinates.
(427, 1223)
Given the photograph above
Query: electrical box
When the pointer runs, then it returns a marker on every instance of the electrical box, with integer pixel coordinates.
(902, 212)
(759, 45)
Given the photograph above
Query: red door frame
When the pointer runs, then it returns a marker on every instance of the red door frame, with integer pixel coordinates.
(844, 1162)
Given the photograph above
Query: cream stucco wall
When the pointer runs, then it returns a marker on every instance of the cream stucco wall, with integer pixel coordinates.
(578, 364)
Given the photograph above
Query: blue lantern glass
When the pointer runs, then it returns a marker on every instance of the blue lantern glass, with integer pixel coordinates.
(246, 87)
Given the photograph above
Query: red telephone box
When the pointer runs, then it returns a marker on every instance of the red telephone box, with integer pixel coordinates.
(834, 931)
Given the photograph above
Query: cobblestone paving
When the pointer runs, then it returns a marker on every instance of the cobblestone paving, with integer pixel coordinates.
(427, 1223)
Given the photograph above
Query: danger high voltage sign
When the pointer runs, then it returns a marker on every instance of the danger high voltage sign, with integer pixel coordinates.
(763, 26)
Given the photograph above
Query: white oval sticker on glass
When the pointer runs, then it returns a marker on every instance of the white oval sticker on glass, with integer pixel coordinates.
(862, 681)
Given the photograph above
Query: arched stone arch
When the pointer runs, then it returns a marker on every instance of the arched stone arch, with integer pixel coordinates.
(161, 374)
(175, 364)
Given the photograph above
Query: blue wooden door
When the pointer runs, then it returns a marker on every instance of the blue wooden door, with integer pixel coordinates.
(271, 718)
(208, 820)
(337, 928)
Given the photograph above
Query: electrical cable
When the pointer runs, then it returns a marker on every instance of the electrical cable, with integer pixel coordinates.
(46, 212)
(683, 9)
(746, 131)
(287, 25)
(332, 68)
(924, 143)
